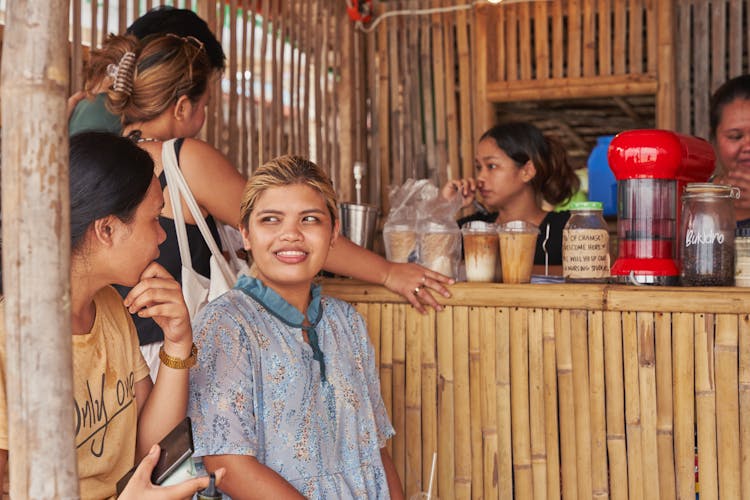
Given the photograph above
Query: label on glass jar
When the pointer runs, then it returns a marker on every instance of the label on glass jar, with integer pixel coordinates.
(585, 254)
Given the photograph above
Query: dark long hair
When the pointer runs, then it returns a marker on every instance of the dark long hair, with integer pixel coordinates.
(555, 180)
(736, 88)
(109, 175)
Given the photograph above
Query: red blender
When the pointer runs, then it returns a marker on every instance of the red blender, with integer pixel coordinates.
(651, 168)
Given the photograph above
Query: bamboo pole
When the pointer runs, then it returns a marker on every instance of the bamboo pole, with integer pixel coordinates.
(558, 47)
(438, 69)
(566, 416)
(744, 404)
(446, 467)
(451, 111)
(666, 65)
(537, 420)
(475, 413)
(574, 39)
(541, 47)
(374, 330)
(36, 251)
(600, 488)
(503, 391)
(634, 432)
(466, 84)
(620, 34)
(525, 44)
(399, 387)
(511, 42)
(462, 409)
(647, 403)
(635, 38)
(581, 401)
(429, 398)
(604, 38)
(727, 405)
(386, 365)
(684, 404)
(550, 404)
(488, 400)
(615, 408)
(519, 407)
(413, 398)
(705, 405)
(589, 38)
(664, 408)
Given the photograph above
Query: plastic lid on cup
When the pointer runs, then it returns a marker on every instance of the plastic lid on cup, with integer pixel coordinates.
(518, 226)
(478, 226)
(585, 205)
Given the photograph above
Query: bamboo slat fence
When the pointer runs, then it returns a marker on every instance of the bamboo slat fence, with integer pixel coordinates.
(293, 79)
(566, 391)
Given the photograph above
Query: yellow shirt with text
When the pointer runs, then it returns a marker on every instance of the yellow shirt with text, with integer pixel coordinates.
(107, 363)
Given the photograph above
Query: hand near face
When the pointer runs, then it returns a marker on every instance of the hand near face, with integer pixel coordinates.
(158, 296)
(466, 188)
(741, 179)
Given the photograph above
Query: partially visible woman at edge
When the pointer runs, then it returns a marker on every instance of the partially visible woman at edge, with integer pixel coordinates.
(517, 169)
(161, 91)
(115, 235)
(730, 136)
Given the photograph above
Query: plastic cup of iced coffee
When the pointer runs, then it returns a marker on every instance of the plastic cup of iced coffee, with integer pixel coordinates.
(517, 246)
(400, 242)
(440, 248)
(481, 249)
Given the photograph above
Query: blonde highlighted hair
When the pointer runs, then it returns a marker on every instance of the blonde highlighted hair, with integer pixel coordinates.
(287, 170)
(166, 67)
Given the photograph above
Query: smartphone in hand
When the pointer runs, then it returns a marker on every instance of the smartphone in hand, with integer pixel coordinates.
(175, 448)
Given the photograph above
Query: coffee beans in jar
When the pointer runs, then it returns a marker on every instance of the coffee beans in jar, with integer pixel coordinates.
(707, 234)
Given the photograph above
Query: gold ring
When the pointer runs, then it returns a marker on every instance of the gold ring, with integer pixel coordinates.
(417, 290)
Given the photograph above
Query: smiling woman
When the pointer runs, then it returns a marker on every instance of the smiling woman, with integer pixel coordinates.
(289, 375)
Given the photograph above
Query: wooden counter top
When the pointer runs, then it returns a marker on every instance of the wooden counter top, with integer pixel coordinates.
(564, 296)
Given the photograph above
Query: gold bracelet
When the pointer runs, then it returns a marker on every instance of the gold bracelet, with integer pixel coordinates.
(177, 363)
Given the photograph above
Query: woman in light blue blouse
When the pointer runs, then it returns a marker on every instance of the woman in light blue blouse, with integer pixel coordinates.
(286, 395)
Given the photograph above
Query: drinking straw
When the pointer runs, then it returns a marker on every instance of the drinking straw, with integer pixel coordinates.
(432, 475)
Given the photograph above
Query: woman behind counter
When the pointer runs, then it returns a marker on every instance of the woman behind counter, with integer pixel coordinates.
(517, 169)
(730, 136)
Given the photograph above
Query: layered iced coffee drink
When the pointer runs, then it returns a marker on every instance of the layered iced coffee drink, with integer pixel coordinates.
(517, 247)
(480, 251)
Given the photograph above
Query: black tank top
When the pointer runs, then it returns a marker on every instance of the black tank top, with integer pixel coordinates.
(169, 257)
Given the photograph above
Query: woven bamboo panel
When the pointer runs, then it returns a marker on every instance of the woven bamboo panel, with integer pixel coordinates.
(546, 400)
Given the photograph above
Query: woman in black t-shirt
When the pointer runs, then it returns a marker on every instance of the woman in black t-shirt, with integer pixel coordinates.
(516, 170)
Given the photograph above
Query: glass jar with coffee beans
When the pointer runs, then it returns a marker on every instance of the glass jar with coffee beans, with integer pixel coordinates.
(707, 235)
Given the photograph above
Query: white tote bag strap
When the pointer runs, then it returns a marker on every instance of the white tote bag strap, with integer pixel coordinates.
(179, 189)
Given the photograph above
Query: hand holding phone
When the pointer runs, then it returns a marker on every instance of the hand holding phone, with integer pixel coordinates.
(175, 449)
(140, 487)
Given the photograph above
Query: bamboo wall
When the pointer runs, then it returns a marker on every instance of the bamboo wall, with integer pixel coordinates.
(411, 96)
(292, 84)
(566, 391)
(712, 43)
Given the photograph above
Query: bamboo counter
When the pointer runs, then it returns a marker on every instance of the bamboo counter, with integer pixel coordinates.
(565, 391)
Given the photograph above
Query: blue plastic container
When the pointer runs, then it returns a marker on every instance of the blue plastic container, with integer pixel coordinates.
(602, 182)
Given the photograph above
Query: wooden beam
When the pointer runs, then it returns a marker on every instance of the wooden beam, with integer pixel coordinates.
(568, 88)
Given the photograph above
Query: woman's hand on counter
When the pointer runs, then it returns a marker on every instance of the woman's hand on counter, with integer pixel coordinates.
(414, 282)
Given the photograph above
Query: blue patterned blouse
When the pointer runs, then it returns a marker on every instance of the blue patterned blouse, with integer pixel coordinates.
(257, 390)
